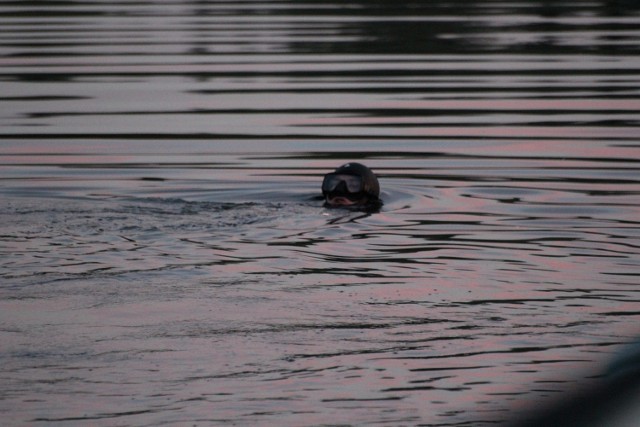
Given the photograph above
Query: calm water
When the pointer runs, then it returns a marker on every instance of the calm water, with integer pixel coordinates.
(165, 260)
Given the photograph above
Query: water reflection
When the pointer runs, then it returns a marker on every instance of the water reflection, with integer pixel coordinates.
(165, 256)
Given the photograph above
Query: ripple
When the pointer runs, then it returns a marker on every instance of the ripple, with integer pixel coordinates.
(166, 258)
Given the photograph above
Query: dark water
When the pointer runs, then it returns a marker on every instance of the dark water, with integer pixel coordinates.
(165, 260)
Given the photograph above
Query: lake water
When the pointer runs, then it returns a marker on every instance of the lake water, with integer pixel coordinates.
(166, 260)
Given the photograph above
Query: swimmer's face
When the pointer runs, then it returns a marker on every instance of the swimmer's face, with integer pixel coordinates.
(344, 190)
(351, 185)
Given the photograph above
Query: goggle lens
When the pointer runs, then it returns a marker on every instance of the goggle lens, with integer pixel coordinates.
(352, 182)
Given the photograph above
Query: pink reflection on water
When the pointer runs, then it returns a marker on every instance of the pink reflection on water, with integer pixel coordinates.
(64, 159)
(527, 131)
(523, 105)
(556, 147)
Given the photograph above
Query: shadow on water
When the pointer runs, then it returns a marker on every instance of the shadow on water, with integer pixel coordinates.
(165, 258)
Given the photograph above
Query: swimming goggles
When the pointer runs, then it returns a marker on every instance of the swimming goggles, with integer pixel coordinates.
(331, 181)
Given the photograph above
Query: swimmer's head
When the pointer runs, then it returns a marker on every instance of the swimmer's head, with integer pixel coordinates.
(351, 185)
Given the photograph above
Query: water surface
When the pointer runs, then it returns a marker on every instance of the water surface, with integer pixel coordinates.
(165, 259)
